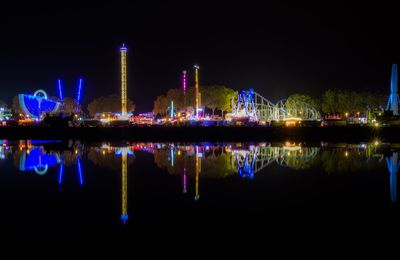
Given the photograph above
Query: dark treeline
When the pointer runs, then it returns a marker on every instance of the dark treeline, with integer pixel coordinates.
(218, 100)
(214, 97)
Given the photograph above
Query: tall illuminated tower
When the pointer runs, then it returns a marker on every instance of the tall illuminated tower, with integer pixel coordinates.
(184, 85)
(196, 67)
(123, 51)
(393, 102)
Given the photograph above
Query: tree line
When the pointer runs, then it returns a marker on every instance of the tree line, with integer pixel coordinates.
(215, 98)
(218, 98)
(341, 102)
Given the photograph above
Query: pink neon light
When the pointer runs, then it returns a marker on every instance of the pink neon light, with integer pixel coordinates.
(184, 82)
(184, 180)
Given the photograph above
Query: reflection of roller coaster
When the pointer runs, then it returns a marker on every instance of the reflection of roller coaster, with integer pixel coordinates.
(257, 108)
(256, 158)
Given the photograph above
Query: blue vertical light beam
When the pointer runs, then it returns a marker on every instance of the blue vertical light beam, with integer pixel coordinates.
(60, 174)
(60, 90)
(80, 171)
(78, 98)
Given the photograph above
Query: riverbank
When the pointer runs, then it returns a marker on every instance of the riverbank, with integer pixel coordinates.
(235, 133)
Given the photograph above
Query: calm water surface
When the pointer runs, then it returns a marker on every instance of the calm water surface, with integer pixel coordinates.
(269, 190)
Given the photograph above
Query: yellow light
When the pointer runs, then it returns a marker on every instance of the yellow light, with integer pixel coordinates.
(290, 123)
(197, 105)
(376, 124)
(346, 154)
(376, 143)
(123, 82)
(347, 114)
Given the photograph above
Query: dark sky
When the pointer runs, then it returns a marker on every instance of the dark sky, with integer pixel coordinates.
(277, 49)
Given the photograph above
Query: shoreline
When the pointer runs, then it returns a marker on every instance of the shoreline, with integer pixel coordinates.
(202, 134)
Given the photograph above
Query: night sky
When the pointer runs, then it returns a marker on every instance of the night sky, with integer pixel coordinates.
(276, 49)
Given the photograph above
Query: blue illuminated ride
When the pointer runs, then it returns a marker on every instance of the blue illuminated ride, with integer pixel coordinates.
(253, 106)
(78, 93)
(393, 102)
(37, 104)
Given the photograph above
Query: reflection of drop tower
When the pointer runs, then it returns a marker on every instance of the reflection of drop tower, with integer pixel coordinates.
(123, 50)
(124, 215)
(393, 102)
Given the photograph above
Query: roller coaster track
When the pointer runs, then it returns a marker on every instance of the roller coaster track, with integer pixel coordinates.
(252, 105)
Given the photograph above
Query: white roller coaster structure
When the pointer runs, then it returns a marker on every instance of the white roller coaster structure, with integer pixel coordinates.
(257, 108)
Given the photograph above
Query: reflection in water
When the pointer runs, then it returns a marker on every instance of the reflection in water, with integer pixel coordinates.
(198, 169)
(124, 152)
(203, 160)
(393, 166)
(36, 159)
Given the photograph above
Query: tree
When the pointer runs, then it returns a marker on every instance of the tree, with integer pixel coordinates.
(15, 105)
(340, 101)
(160, 105)
(111, 103)
(69, 105)
(3, 104)
(225, 99)
(213, 97)
(305, 99)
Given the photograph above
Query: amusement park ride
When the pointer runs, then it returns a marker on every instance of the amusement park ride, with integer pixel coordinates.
(248, 108)
(253, 107)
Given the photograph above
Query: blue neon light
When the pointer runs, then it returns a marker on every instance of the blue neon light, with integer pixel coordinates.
(80, 172)
(123, 48)
(393, 167)
(172, 109)
(60, 90)
(122, 150)
(172, 157)
(34, 106)
(79, 95)
(124, 218)
(60, 174)
(38, 161)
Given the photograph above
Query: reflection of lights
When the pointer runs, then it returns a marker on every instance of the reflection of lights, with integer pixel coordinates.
(38, 161)
(172, 157)
(2, 155)
(124, 206)
(60, 174)
(80, 172)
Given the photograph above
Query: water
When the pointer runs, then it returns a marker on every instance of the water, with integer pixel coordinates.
(220, 190)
